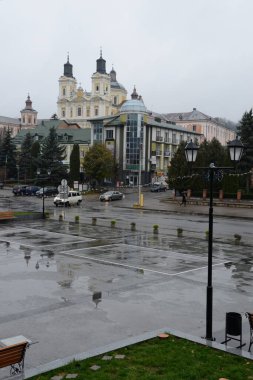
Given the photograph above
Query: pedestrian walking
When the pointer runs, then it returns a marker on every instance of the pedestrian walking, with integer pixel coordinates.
(183, 199)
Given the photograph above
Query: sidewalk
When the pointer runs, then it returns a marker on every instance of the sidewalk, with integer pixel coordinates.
(194, 206)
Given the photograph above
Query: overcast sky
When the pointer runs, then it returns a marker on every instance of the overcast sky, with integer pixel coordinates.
(179, 54)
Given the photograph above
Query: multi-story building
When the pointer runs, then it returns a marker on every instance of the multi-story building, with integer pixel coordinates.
(76, 105)
(197, 121)
(68, 134)
(140, 140)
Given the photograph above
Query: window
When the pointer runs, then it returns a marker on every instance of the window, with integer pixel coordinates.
(98, 132)
(29, 119)
(88, 112)
(64, 91)
(23, 119)
(71, 112)
(63, 112)
(194, 128)
(97, 88)
(96, 111)
(133, 143)
(109, 134)
(79, 111)
(115, 100)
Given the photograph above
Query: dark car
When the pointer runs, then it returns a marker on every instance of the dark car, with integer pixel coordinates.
(19, 189)
(110, 196)
(31, 190)
(158, 187)
(48, 191)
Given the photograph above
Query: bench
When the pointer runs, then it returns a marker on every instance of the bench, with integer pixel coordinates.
(5, 215)
(14, 357)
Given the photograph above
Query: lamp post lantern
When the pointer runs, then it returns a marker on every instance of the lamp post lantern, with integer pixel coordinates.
(235, 149)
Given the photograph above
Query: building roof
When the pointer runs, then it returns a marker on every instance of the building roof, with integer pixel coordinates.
(9, 120)
(194, 115)
(76, 134)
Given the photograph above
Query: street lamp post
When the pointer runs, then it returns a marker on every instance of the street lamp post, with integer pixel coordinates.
(235, 149)
(43, 187)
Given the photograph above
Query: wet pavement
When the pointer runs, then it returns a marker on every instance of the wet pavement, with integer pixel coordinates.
(52, 270)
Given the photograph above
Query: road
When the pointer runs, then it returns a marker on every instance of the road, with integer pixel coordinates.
(50, 271)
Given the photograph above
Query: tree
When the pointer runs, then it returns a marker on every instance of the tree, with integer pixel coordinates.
(212, 151)
(25, 158)
(51, 157)
(245, 131)
(8, 156)
(99, 163)
(74, 164)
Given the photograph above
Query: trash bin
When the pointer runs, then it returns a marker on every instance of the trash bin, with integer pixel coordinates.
(234, 328)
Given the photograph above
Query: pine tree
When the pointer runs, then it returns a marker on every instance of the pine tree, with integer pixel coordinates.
(25, 158)
(8, 156)
(51, 157)
(245, 131)
(74, 164)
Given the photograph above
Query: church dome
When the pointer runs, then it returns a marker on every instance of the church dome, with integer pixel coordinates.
(68, 69)
(133, 105)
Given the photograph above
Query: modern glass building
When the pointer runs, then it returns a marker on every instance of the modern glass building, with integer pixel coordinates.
(140, 140)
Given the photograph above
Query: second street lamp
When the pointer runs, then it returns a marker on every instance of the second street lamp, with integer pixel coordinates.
(235, 149)
(43, 187)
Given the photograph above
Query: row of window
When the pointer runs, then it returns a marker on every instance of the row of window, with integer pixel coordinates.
(79, 112)
(115, 98)
(30, 120)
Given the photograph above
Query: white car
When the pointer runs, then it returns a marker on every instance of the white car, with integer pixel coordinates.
(70, 199)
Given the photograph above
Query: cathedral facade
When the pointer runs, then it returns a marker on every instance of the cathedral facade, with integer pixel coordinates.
(105, 99)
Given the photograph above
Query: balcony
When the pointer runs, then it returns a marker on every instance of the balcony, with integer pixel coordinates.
(159, 138)
(158, 153)
(167, 153)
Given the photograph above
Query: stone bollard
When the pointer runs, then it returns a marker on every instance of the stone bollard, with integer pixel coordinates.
(239, 195)
(221, 194)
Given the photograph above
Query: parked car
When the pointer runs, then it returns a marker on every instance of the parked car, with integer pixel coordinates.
(70, 199)
(31, 190)
(110, 196)
(156, 187)
(48, 191)
(19, 189)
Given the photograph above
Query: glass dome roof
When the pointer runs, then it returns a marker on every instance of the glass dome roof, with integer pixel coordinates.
(133, 105)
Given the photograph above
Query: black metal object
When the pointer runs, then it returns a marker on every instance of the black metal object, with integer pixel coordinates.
(233, 328)
(250, 318)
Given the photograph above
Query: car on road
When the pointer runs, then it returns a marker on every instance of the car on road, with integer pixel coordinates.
(156, 187)
(110, 196)
(19, 189)
(48, 191)
(31, 190)
(70, 199)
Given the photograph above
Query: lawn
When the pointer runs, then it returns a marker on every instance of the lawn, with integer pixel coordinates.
(160, 359)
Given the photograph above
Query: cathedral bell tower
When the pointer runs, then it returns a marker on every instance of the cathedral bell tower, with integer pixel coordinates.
(67, 90)
(28, 115)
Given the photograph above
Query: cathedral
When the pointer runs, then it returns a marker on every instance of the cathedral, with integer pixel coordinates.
(77, 105)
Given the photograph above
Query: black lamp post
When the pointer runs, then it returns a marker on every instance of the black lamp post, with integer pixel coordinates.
(235, 149)
(43, 186)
